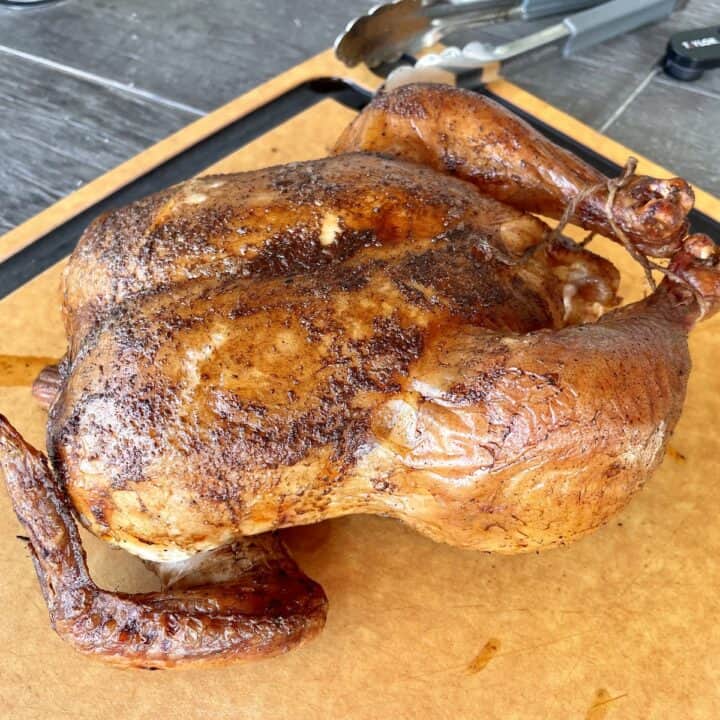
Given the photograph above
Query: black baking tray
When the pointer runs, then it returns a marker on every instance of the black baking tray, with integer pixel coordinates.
(58, 243)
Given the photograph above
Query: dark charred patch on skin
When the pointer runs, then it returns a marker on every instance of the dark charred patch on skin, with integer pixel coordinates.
(483, 384)
(351, 279)
(452, 162)
(415, 295)
(386, 356)
(384, 485)
(130, 439)
(489, 296)
(302, 183)
(475, 391)
(614, 469)
(298, 250)
(189, 233)
(105, 235)
(98, 512)
(257, 437)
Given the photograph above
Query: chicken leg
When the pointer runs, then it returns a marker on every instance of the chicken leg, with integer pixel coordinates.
(470, 136)
(508, 443)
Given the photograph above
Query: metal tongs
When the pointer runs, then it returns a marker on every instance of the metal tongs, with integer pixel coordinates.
(406, 26)
(388, 31)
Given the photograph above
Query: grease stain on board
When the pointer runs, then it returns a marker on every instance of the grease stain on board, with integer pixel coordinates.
(601, 704)
(19, 370)
(480, 661)
(675, 454)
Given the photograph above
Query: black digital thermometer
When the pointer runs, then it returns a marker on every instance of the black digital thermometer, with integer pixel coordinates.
(691, 52)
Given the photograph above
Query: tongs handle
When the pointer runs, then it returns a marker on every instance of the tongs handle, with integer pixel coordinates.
(521, 10)
(610, 19)
(532, 9)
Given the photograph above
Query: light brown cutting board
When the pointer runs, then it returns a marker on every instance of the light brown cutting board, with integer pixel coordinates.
(623, 624)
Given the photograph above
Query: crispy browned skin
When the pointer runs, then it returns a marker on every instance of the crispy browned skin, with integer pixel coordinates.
(493, 439)
(470, 136)
(247, 601)
(233, 405)
(363, 334)
(393, 367)
(277, 222)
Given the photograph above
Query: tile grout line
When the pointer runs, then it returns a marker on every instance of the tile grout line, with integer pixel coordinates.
(668, 82)
(102, 81)
(626, 103)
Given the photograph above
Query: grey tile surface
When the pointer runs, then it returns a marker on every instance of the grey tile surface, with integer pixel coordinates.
(199, 53)
(57, 131)
(639, 50)
(584, 91)
(691, 149)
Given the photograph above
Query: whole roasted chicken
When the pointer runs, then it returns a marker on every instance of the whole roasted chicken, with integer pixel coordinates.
(388, 330)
